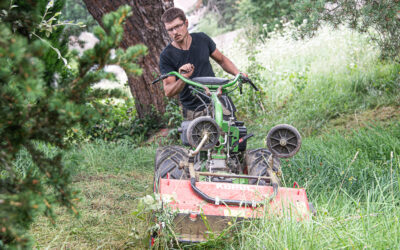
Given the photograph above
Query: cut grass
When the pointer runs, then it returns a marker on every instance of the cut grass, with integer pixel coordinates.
(105, 215)
(110, 177)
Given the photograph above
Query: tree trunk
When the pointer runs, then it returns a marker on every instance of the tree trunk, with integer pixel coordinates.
(145, 27)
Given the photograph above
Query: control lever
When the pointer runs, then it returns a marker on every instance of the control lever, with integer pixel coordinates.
(244, 138)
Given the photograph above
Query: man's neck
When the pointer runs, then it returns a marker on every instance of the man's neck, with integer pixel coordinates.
(185, 44)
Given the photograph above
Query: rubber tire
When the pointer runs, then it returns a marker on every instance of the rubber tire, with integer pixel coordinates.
(209, 144)
(279, 128)
(167, 161)
(257, 163)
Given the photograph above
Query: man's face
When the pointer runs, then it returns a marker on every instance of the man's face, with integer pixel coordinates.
(177, 29)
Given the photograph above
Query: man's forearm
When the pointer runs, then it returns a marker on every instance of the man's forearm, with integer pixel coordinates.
(228, 66)
(172, 89)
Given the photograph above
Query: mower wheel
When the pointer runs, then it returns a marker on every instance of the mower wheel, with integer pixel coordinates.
(199, 127)
(167, 161)
(283, 140)
(257, 164)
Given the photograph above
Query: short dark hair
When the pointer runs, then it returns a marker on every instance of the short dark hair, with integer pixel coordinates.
(171, 14)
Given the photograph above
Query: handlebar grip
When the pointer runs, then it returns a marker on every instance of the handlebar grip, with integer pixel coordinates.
(246, 79)
(156, 80)
(161, 77)
(253, 85)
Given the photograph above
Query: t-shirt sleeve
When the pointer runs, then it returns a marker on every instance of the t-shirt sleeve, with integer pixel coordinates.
(210, 43)
(165, 65)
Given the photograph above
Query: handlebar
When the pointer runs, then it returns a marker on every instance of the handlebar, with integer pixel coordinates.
(246, 79)
(238, 78)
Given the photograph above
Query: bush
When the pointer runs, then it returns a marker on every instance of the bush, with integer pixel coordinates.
(119, 123)
(41, 99)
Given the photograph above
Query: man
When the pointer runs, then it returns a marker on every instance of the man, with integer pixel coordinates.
(189, 55)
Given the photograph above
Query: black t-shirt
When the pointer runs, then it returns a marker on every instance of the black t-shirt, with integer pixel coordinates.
(172, 58)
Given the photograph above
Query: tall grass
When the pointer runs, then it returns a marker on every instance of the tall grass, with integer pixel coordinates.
(353, 181)
(348, 161)
(368, 220)
(109, 157)
(308, 82)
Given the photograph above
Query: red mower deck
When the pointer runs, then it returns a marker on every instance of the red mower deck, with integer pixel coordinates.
(197, 218)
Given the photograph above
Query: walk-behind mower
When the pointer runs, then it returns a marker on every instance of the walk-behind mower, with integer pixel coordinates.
(215, 180)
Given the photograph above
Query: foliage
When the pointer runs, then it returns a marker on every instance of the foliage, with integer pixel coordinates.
(267, 14)
(173, 117)
(222, 14)
(120, 122)
(380, 19)
(155, 218)
(41, 99)
(309, 82)
(75, 11)
(250, 102)
(209, 25)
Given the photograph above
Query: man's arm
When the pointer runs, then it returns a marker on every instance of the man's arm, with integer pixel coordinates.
(173, 87)
(224, 62)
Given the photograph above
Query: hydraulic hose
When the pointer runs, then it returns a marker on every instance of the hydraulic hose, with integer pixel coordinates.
(217, 201)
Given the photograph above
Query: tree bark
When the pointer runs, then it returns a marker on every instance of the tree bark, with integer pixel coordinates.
(145, 27)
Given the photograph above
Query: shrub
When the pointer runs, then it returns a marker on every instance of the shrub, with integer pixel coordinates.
(41, 98)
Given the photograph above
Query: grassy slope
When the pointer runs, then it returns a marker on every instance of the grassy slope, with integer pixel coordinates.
(344, 101)
(110, 178)
(352, 179)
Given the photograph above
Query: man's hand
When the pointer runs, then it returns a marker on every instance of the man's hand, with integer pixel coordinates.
(172, 86)
(186, 70)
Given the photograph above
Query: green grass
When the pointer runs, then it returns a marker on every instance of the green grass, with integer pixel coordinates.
(354, 183)
(346, 159)
(370, 220)
(344, 101)
(103, 157)
(308, 83)
(364, 218)
(357, 198)
(110, 178)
